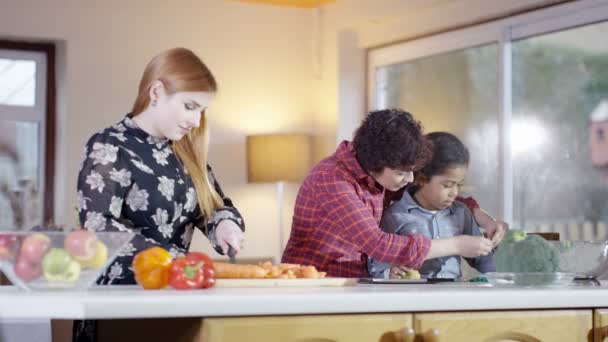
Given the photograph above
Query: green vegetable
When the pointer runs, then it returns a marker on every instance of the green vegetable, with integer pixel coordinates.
(531, 254)
(515, 235)
(479, 280)
(411, 274)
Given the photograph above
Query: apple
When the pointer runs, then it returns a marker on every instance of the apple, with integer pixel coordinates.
(58, 265)
(26, 270)
(7, 246)
(99, 259)
(81, 244)
(34, 247)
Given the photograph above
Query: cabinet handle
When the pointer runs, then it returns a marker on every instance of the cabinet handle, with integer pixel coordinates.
(404, 335)
(431, 335)
(513, 336)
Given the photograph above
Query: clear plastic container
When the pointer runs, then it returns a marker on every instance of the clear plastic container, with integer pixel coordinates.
(57, 260)
(587, 259)
(532, 279)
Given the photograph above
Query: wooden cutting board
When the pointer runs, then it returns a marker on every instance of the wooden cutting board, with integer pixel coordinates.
(303, 282)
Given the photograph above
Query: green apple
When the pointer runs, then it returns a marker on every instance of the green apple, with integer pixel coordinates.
(58, 265)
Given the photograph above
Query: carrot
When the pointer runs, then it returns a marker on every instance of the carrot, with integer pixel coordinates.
(232, 271)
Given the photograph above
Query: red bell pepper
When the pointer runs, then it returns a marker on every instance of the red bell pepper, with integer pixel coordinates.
(194, 271)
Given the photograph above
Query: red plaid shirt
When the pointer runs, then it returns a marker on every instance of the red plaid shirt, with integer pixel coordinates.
(336, 221)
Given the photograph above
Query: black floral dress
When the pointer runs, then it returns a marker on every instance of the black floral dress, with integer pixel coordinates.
(131, 181)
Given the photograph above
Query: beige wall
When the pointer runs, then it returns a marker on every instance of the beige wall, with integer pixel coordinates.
(261, 56)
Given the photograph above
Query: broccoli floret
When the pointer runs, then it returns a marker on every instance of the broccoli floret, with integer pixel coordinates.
(515, 235)
(533, 254)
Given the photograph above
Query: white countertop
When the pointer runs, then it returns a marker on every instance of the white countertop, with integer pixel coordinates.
(133, 302)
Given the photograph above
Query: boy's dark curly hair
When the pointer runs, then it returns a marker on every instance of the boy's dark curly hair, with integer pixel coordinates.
(448, 152)
(391, 138)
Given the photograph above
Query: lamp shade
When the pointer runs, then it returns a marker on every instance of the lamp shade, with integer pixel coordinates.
(278, 157)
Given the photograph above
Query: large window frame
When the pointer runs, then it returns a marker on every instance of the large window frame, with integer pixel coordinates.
(43, 112)
(502, 32)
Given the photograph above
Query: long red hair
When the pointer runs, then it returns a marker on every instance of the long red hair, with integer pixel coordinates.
(181, 70)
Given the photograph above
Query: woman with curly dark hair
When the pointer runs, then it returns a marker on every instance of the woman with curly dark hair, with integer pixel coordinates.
(339, 205)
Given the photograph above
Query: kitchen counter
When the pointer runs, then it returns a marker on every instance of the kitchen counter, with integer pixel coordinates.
(133, 302)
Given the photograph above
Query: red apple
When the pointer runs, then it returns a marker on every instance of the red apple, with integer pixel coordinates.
(34, 247)
(81, 244)
(7, 240)
(8, 244)
(27, 271)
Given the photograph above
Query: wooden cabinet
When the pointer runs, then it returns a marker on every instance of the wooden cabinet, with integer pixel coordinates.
(331, 328)
(600, 325)
(520, 326)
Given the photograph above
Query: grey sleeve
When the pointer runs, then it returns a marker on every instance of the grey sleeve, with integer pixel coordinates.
(390, 222)
(482, 264)
(377, 269)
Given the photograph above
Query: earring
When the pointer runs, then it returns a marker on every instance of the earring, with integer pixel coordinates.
(154, 103)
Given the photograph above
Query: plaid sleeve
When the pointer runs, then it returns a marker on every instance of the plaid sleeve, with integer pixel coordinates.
(356, 224)
(470, 202)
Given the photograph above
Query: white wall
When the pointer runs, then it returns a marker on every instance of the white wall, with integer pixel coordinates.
(260, 55)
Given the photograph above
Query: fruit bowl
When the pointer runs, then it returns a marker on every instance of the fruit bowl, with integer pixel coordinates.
(58, 260)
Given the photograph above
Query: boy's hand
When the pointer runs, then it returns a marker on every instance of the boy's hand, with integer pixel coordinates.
(496, 230)
(474, 246)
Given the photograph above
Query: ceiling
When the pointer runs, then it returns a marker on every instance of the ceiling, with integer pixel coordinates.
(291, 3)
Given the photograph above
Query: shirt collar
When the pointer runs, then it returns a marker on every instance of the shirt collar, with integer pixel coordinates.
(408, 203)
(129, 126)
(346, 156)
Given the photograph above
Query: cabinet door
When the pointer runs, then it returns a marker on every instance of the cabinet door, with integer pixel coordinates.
(329, 328)
(520, 326)
(600, 325)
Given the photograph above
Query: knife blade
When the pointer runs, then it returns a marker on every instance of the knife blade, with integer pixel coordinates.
(231, 255)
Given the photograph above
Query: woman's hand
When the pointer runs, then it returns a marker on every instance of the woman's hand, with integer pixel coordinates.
(227, 234)
(464, 245)
(473, 246)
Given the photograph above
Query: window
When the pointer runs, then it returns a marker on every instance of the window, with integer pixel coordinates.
(519, 92)
(455, 92)
(26, 134)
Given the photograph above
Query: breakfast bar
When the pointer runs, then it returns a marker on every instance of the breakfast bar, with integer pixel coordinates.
(354, 313)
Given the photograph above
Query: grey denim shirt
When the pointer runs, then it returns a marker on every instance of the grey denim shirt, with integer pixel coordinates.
(408, 217)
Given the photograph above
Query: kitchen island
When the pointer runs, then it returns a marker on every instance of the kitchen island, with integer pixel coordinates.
(361, 312)
(112, 302)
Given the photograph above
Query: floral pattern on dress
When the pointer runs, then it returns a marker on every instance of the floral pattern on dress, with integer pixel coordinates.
(131, 181)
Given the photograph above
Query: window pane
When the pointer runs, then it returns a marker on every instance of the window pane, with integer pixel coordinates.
(454, 92)
(558, 80)
(19, 174)
(17, 82)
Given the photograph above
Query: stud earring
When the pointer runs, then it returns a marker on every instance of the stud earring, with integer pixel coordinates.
(154, 103)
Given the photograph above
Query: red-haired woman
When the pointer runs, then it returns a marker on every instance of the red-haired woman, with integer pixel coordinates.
(148, 173)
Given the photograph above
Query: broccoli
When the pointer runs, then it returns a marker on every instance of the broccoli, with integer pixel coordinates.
(515, 235)
(532, 254)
